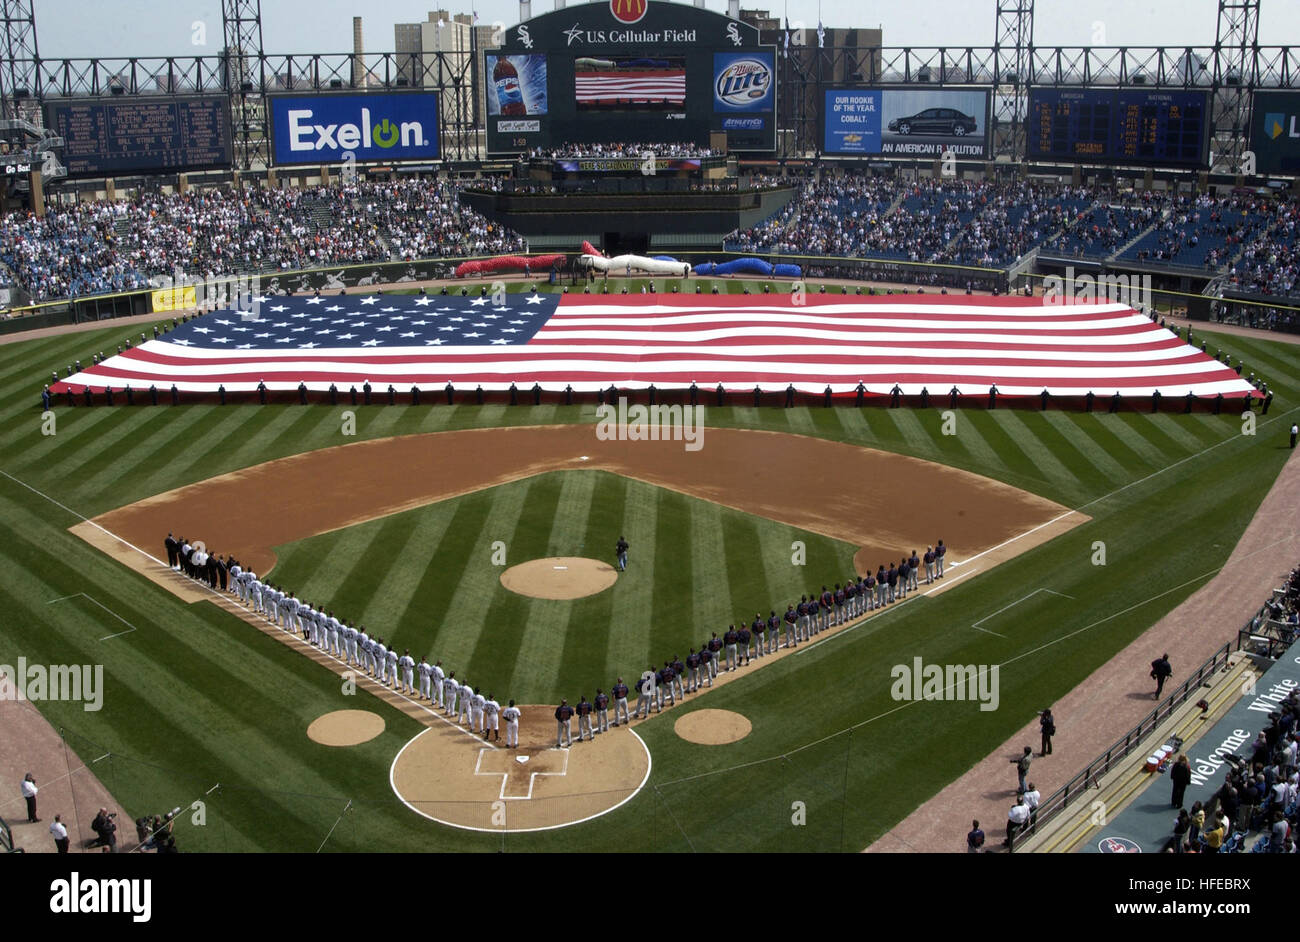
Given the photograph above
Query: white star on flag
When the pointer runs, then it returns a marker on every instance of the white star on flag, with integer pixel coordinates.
(414, 333)
(369, 300)
(471, 335)
(436, 341)
(370, 343)
(535, 299)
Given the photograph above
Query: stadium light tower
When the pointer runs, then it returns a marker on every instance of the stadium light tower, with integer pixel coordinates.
(1236, 60)
(242, 24)
(19, 78)
(1013, 46)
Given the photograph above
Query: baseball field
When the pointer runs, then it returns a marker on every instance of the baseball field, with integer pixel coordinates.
(1070, 534)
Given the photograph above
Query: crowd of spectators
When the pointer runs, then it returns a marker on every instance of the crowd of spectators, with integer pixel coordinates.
(621, 149)
(95, 247)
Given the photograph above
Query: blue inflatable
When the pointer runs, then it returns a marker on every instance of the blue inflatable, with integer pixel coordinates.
(665, 258)
(787, 271)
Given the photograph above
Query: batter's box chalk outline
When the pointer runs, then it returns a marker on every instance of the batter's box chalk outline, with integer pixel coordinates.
(392, 783)
(82, 595)
(505, 776)
(977, 627)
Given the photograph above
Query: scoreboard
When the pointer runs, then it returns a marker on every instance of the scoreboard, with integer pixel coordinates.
(1124, 126)
(141, 135)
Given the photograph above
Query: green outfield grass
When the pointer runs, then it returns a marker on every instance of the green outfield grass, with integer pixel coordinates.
(197, 699)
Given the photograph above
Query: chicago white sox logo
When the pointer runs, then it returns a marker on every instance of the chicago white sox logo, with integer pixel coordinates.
(733, 34)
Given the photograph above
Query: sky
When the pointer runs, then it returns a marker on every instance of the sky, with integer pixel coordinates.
(120, 28)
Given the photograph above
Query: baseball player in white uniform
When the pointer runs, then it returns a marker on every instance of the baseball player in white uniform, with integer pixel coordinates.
(406, 664)
(512, 715)
(451, 690)
(235, 572)
(426, 679)
(438, 680)
(392, 669)
(466, 697)
(476, 708)
(379, 658)
(255, 591)
(363, 644)
(492, 709)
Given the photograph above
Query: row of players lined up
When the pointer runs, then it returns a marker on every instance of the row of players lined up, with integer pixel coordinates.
(657, 687)
(346, 641)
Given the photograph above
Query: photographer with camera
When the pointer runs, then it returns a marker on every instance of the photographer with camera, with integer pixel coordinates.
(106, 829)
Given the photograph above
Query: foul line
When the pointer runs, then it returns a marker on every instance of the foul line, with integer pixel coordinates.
(908, 703)
(976, 625)
(83, 595)
(1097, 500)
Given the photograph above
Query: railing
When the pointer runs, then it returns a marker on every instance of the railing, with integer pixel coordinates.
(1130, 742)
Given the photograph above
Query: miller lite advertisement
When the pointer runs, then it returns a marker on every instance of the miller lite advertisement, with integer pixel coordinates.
(743, 81)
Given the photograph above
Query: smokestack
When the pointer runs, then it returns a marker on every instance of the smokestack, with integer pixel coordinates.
(358, 54)
(733, 9)
(700, 4)
(525, 10)
(559, 4)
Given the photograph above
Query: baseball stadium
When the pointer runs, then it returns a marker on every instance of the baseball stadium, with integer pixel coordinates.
(642, 425)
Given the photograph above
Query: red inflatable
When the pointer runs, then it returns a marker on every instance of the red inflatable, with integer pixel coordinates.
(491, 266)
(589, 249)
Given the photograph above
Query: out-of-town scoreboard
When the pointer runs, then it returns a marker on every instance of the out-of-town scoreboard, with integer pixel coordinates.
(141, 135)
(1141, 127)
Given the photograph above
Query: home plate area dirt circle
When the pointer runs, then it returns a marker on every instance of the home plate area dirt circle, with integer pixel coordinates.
(454, 777)
(713, 727)
(559, 577)
(345, 728)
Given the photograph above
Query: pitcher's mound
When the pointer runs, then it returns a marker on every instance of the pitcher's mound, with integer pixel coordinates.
(712, 727)
(559, 577)
(345, 728)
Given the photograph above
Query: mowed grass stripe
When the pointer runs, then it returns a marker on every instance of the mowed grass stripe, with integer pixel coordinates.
(1086, 447)
(1181, 429)
(525, 638)
(1032, 445)
(476, 591)
(984, 458)
(75, 437)
(630, 641)
(711, 604)
(914, 434)
(1077, 460)
(580, 642)
(1128, 431)
(145, 452)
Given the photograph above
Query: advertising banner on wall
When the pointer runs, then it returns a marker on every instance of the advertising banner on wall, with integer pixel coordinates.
(326, 129)
(906, 123)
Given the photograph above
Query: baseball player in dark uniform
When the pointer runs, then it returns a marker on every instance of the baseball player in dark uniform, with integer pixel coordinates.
(851, 599)
(708, 663)
(172, 551)
(602, 711)
(773, 632)
(840, 598)
(939, 552)
(620, 701)
(664, 689)
(563, 734)
(715, 650)
(802, 610)
(679, 678)
(814, 616)
(584, 719)
(620, 550)
(731, 638)
(828, 601)
(693, 665)
(791, 627)
(869, 592)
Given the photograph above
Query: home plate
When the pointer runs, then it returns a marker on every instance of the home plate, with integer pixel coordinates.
(521, 759)
(564, 568)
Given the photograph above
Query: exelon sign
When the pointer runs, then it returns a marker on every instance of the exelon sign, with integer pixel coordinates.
(329, 128)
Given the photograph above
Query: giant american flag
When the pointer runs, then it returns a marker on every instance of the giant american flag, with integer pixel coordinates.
(591, 341)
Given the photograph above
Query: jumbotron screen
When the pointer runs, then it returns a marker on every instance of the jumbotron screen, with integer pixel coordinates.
(644, 73)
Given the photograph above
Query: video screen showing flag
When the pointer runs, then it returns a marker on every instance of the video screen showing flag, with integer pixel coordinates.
(629, 84)
(592, 341)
